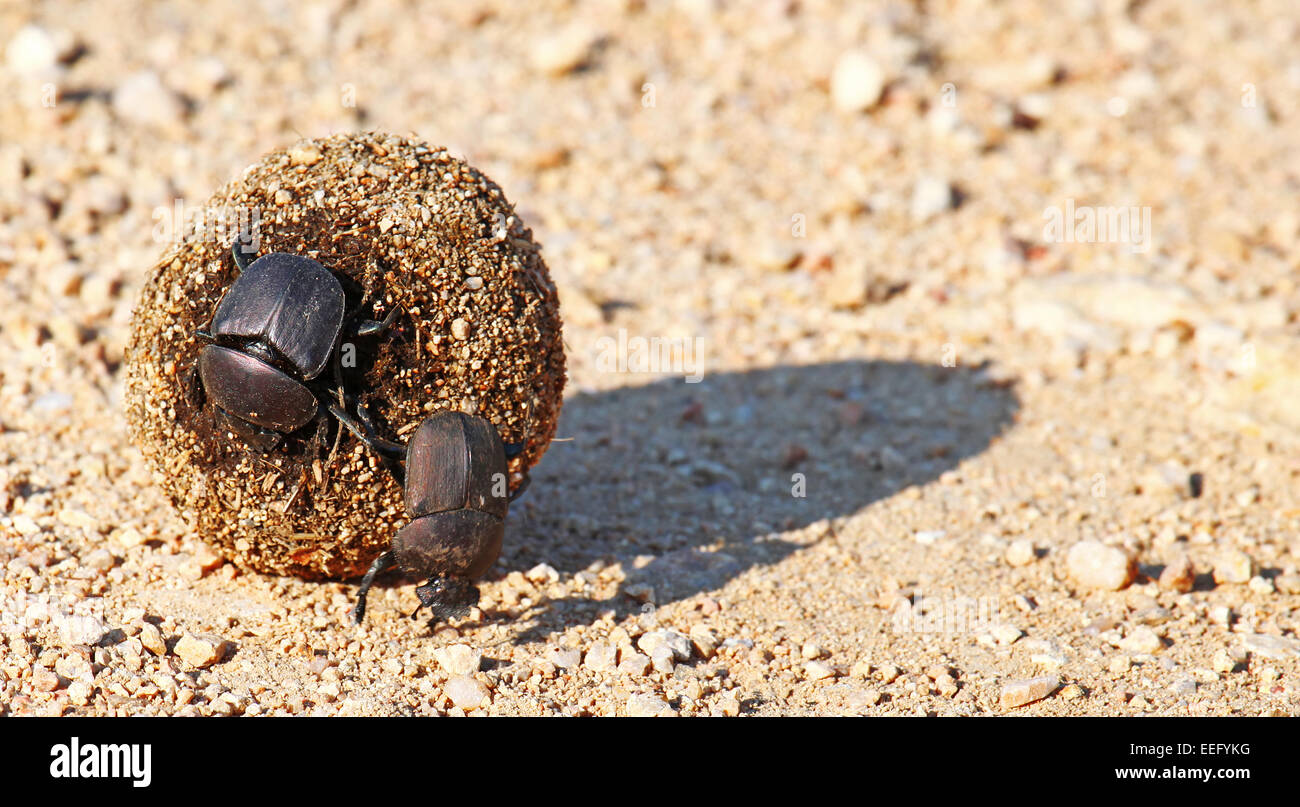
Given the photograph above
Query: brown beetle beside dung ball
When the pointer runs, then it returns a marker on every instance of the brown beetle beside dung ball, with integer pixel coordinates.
(410, 231)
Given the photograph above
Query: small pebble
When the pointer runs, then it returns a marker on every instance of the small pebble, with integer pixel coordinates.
(100, 559)
(565, 50)
(648, 706)
(565, 657)
(864, 698)
(542, 573)
(946, 685)
(142, 98)
(662, 660)
(1026, 691)
(200, 650)
(152, 639)
(1179, 575)
(857, 82)
(458, 659)
(1021, 553)
(704, 641)
(44, 680)
(1095, 565)
(1271, 647)
(31, 50)
(460, 329)
(1183, 686)
(1141, 640)
(1233, 566)
(1153, 616)
(1005, 634)
(1261, 585)
(1287, 583)
(87, 630)
(466, 692)
(601, 657)
(677, 644)
(812, 650)
(818, 670)
(79, 692)
(304, 155)
(1222, 662)
(930, 197)
(635, 664)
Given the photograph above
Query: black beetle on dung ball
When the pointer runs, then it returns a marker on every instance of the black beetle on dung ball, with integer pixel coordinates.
(418, 236)
(275, 330)
(454, 476)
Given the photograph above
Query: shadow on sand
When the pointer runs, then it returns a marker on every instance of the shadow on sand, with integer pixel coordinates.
(704, 477)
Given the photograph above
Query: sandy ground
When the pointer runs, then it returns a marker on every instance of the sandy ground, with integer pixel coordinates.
(925, 377)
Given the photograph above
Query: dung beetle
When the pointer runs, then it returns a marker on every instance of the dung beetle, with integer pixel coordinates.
(273, 332)
(457, 496)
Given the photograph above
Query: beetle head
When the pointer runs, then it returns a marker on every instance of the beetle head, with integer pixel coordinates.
(447, 597)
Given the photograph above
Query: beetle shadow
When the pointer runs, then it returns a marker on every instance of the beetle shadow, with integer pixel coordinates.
(687, 486)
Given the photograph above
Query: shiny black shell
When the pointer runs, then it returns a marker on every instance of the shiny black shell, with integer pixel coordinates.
(463, 543)
(291, 305)
(250, 389)
(453, 461)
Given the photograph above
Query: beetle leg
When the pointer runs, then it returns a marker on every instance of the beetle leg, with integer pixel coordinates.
(390, 453)
(523, 486)
(515, 449)
(242, 255)
(363, 432)
(370, 327)
(383, 562)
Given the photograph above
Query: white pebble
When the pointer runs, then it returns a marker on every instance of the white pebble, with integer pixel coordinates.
(1020, 693)
(1093, 564)
(466, 692)
(31, 50)
(648, 706)
(930, 197)
(142, 98)
(857, 82)
(458, 659)
(1021, 553)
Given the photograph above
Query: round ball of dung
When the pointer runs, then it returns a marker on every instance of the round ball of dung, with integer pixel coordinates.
(409, 231)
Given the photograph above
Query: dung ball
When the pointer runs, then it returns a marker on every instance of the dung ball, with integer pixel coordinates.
(410, 231)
